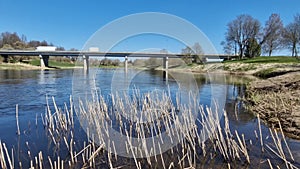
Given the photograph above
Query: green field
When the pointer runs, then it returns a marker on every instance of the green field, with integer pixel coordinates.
(52, 63)
(267, 59)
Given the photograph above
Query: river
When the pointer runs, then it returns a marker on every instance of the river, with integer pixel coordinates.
(29, 90)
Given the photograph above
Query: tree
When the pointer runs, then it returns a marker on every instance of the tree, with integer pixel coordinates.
(187, 52)
(240, 30)
(34, 43)
(272, 34)
(152, 62)
(198, 53)
(229, 47)
(60, 48)
(253, 48)
(73, 49)
(291, 35)
(44, 43)
(8, 38)
(193, 54)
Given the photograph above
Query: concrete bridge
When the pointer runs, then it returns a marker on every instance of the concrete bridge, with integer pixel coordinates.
(44, 56)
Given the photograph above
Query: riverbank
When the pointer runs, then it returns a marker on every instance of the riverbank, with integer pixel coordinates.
(26, 66)
(274, 94)
(277, 99)
(257, 69)
(18, 66)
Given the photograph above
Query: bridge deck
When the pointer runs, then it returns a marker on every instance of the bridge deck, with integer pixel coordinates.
(108, 54)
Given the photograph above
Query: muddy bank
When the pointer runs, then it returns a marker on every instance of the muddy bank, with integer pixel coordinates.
(277, 99)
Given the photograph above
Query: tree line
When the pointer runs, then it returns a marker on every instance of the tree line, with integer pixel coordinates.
(9, 40)
(246, 37)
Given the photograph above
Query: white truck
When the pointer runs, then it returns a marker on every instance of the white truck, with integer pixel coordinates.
(45, 48)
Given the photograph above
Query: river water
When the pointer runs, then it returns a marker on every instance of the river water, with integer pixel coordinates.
(28, 89)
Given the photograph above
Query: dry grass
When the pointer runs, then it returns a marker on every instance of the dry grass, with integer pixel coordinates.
(140, 117)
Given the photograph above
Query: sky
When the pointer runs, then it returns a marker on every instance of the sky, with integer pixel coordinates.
(70, 23)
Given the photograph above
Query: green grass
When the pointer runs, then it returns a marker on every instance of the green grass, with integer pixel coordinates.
(266, 73)
(267, 59)
(247, 68)
(52, 63)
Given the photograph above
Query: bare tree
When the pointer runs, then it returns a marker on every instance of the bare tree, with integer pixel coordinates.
(240, 30)
(187, 52)
(229, 47)
(8, 38)
(272, 34)
(291, 35)
(193, 54)
(198, 53)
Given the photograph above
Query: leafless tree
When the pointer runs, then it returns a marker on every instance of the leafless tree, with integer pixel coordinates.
(272, 34)
(187, 52)
(291, 35)
(240, 30)
(8, 38)
(198, 51)
(229, 47)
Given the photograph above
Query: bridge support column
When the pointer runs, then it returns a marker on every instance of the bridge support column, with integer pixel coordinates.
(165, 67)
(5, 58)
(44, 60)
(166, 63)
(86, 63)
(126, 63)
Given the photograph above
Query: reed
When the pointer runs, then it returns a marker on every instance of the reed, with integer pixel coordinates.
(17, 119)
(141, 116)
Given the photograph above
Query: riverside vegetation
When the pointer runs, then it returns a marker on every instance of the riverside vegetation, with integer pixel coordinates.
(224, 147)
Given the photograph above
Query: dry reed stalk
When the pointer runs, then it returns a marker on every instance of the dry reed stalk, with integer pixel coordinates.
(12, 157)
(31, 164)
(278, 155)
(171, 165)
(17, 119)
(161, 156)
(40, 160)
(94, 153)
(260, 134)
(287, 146)
(270, 165)
(50, 162)
(2, 158)
(7, 156)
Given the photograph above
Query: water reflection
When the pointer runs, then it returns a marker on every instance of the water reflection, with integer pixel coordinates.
(29, 89)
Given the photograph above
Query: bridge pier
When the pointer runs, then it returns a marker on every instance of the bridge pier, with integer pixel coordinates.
(86, 63)
(166, 63)
(165, 67)
(126, 63)
(5, 58)
(44, 60)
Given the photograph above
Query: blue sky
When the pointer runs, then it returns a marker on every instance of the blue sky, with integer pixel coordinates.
(70, 23)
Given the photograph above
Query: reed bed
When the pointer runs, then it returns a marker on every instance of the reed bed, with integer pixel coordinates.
(198, 133)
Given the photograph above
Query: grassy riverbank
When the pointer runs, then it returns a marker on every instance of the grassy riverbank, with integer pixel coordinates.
(35, 64)
(54, 63)
(263, 67)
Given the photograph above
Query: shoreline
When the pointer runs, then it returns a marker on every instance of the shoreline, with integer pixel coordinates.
(25, 66)
(277, 101)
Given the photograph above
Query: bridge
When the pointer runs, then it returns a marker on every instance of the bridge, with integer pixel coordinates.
(44, 56)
